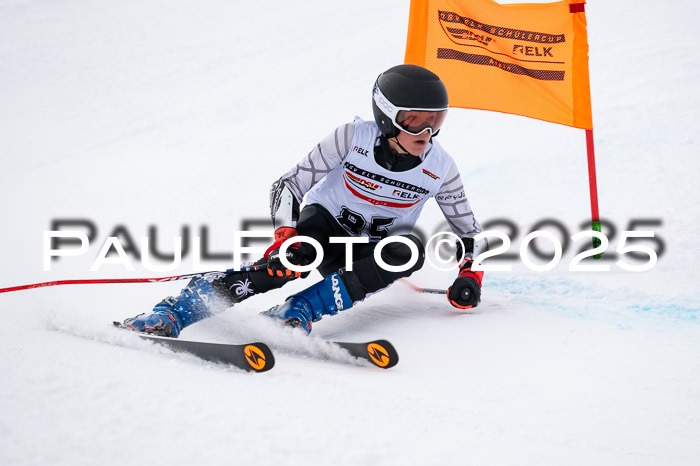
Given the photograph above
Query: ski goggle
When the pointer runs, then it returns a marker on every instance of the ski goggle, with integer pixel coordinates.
(409, 120)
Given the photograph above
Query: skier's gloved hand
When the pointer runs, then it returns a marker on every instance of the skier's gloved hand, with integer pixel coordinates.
(296, 254)
(465, 292)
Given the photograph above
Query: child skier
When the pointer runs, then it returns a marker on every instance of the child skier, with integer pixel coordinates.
(367, 179)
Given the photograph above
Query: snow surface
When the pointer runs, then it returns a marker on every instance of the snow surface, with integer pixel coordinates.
(172, 113)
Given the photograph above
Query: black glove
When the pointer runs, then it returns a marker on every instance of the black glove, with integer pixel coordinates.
(297, 254)
(465, 292)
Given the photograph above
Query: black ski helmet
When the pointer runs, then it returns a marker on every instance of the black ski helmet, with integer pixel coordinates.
(407, 86)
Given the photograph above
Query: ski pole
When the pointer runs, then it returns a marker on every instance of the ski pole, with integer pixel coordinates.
(421, 289)
(251, 268)
(465, 292)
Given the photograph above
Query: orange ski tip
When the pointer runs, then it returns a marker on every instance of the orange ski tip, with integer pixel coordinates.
(378, 354)
(255, 357)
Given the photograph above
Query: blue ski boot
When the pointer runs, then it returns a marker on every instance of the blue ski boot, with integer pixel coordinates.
(326, 297)
(171, 315)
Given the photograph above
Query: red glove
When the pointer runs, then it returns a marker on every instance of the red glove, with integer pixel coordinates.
(465, 292)
(294, 254)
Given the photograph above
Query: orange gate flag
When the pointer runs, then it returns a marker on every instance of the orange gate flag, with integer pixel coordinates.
(527, 59)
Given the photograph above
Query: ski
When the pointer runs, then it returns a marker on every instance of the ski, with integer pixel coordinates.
(253, 357)
(381, 353)
(258, 357)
